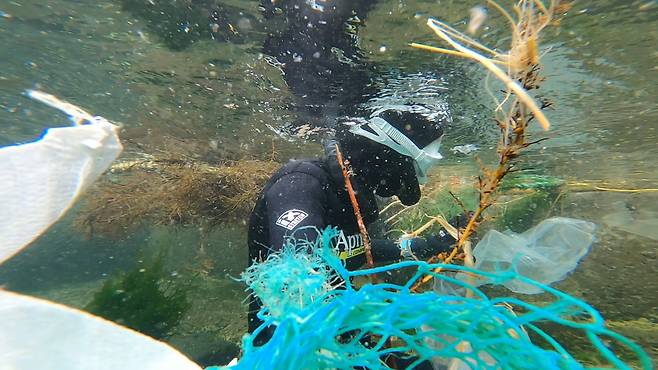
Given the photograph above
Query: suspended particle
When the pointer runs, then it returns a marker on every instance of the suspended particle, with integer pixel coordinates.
(478, 16)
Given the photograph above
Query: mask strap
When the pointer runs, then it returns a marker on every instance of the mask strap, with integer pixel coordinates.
(388, 135)
(381, 135)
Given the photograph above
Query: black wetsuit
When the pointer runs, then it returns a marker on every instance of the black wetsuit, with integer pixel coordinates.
(305, 196)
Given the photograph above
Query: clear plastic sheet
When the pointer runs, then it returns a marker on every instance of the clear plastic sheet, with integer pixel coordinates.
(546, 253)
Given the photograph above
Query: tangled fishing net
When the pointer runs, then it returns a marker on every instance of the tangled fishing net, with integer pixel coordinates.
(322, 326)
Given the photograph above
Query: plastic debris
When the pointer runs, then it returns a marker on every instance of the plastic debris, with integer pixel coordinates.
(528, 181)
(464, 149)
(40, 181)
(546, 253)
(478, 16)
(271, 280)
(37, 334)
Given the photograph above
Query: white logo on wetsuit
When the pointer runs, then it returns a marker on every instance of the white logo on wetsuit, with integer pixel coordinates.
(348, 246)
(291, 218)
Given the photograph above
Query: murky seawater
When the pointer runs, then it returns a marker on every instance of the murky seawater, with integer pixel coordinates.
(182, 89)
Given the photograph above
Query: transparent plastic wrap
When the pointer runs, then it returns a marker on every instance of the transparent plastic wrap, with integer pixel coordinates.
(546, 253)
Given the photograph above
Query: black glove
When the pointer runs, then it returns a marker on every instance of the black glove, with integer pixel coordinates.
(424, 248)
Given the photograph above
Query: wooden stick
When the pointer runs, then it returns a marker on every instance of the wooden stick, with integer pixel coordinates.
(355, 205)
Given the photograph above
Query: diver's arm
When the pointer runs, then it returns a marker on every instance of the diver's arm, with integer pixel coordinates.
(431, 245)
(385, 250)
(295, 207)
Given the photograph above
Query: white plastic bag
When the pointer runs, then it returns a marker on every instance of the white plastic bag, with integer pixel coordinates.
(39, 181)
(37, 334)
(546, 253)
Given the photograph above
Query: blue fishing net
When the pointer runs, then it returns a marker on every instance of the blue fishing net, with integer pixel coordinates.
(323, 322)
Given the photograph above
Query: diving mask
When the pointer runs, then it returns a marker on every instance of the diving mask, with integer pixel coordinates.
(388, 135)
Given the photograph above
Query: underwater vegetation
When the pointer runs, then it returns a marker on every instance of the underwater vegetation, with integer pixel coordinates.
(142, 299)
(172, 192)
(524, 200)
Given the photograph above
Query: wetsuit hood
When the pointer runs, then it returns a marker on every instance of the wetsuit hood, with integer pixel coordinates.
(393, 149)
(382, 176)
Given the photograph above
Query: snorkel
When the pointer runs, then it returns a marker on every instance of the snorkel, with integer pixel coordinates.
(385, 134)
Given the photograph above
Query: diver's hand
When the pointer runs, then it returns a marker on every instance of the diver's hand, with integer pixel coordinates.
(426, 247)
(429, 246)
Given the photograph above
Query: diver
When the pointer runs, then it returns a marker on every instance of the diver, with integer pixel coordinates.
(389, 155)
(389, 144)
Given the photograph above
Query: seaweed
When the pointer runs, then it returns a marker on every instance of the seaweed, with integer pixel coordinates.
(519, 71)
(172, 192)
(142, 299)
(524, 199)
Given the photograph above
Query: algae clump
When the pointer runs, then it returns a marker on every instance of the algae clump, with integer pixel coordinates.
(526, 200)
(172, 192)
(142, 299)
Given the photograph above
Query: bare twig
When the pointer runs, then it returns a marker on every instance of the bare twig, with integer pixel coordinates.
(355, 205)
